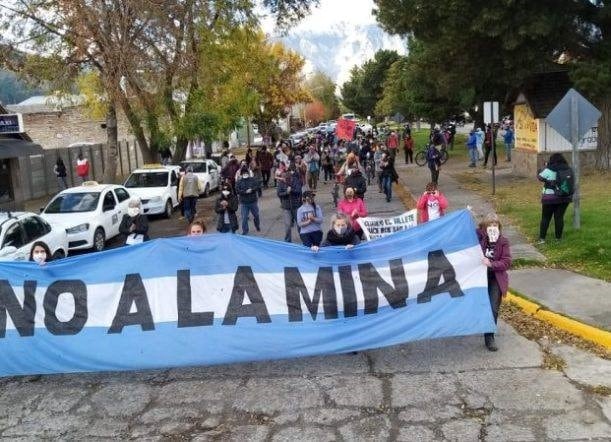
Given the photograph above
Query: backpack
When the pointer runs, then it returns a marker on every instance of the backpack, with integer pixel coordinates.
(565, 182)
(313, 167)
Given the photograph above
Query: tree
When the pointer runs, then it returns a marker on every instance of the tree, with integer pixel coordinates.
(486, 47)
(365, 86)
(322, 88)
(315, 112)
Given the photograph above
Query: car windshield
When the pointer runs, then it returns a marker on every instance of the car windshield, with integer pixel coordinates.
(74, 202)
(198, 167)
(147, 179)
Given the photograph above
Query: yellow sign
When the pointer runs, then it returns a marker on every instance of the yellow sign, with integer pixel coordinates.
(527, 129)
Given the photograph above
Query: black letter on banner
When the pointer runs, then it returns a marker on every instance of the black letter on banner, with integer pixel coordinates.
(438, 266)
(186, 317)
(348, 291)
(78, 290)
(372, 281)
(23, 318)
(295, 287)
(244, 282)
(133, 292)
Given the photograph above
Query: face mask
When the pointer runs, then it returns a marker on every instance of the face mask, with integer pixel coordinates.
(225, 193)
(245, 176)
(133, 211)
(39, 257)
(340, 230)
(493, 233)
(349, 172)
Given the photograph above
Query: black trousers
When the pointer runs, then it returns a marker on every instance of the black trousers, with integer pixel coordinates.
(434, 174)
(409, 156)
(557, 211)
(265, 177)
(487, 151)
(495, 296)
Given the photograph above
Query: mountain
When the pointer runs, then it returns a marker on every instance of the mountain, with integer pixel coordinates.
(336, 50)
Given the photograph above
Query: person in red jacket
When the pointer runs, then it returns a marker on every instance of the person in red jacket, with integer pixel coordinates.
(354, 208)
(497, 258)
(432, 204)
(82, 167)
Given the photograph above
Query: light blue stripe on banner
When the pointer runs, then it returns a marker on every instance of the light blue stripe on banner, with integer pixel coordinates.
(168, 346)
(223, 253)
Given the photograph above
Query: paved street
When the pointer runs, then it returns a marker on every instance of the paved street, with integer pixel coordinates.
(447, 389)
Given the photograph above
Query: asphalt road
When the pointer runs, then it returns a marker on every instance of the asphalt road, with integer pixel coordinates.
(446, 389)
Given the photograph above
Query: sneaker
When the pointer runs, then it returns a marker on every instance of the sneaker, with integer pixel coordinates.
(541, 241)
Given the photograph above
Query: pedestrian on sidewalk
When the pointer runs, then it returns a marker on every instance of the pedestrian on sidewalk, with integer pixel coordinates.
(432, 204)
(340, 234)
(354, 208)
(508, 139)
(479, 137)
(309, 220)
(497, 258)
(489, 139)
(289, 193)
(388, 174)
(82, 167)
(408, 147)
(60, 172)
(189, 190)
(433, 160)
(554, 200)
(247, 189)
(226, 207)
(472, 146)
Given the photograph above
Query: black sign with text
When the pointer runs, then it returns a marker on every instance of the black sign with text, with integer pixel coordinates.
(11, 124)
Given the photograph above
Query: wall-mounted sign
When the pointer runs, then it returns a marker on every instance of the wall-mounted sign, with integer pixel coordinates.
(527, 129)
(11, 124)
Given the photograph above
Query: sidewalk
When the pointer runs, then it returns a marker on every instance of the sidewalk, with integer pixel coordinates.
(584, 299)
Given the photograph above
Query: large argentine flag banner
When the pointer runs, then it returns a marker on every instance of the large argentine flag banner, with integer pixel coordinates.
(227, 298)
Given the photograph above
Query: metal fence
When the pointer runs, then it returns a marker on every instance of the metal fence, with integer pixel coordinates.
(39, 180)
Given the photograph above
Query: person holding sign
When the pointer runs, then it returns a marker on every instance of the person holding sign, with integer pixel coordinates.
(309, 219)
(340, 234)
(134, 225)
(432, 204)
(354, 208)
(497, 257)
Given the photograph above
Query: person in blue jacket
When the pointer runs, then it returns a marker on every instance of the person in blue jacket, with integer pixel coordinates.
(472, 146)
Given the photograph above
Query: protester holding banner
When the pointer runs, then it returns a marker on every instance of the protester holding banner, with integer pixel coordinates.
(432, 204)
(340, 234)
(40, 253)
(196, 228)
(497, 257)
(134, 224)
(354, 208)
(309, 220)
(226, 207)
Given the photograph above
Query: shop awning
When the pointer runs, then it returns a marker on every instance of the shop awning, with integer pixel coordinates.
(14, 148)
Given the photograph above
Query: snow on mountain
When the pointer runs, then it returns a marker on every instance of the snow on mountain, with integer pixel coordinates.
(336, 49)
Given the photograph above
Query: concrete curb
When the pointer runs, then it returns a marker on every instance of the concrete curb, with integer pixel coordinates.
(584, 331)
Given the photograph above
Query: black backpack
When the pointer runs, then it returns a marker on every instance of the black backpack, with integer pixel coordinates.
(565, 182)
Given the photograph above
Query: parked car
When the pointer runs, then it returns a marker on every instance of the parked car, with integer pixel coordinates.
(157, 188)
(90, 213)
(19, 230)
(207, 171)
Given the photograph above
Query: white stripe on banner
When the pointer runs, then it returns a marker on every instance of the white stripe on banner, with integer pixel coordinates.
(211, 293)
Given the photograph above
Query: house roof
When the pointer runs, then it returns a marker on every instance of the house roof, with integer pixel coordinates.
(542, 91)
(46, 103)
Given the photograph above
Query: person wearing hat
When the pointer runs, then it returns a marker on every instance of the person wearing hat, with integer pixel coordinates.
(309, 220)
(497, 258)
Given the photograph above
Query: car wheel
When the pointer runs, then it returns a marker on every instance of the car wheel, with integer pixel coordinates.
(168, 209)
(207, 190)
(99, 240)
(59, 254)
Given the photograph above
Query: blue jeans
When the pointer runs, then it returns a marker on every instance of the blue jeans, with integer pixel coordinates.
(189, 203)
(387, 186)
(473, 155)
(247, 208)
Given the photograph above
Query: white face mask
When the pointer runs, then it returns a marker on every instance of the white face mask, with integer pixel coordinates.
(245, 176)
(225, 193)
(349, 172)
(39, 257)
(133, 211)
(340, 230)
(493, 233)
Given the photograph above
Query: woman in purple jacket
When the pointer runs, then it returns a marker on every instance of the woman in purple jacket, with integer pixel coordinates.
(497, 257)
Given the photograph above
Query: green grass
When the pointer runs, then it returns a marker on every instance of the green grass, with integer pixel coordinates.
(587, 250)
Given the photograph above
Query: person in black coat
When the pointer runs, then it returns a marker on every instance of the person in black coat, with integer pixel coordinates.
(134, 224)
(226, 207)
(340, 234)
(356, 180)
